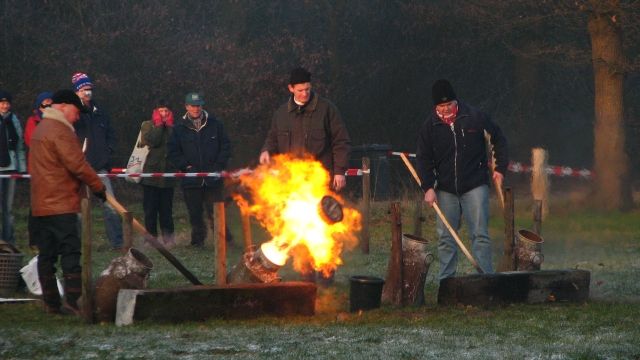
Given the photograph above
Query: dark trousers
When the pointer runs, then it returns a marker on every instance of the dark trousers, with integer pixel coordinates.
(57, 236)
(158, 205)
(196, 199)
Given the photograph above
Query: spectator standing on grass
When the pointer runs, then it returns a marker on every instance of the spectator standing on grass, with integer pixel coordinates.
(158, 192)
(199, 143)
(58, 168)
(453, 169)
(98, 140)
(12, 159)
(309, 124)
(43, 101)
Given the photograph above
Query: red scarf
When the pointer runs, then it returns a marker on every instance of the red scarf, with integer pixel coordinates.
(157, 119)
(449, 118)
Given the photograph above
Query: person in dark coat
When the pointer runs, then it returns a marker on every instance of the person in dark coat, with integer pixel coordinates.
(158, 192)
(199, 143)
(453, 168)
(98, 141)
(308, 123)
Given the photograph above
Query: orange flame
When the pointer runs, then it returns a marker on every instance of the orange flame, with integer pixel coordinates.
(285, 198)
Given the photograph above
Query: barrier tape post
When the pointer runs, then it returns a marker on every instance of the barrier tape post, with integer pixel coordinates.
(366, 199)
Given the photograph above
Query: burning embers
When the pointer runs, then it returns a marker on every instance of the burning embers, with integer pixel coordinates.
(291, 199)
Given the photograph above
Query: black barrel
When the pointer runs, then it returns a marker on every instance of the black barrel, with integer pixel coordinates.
(365, 292)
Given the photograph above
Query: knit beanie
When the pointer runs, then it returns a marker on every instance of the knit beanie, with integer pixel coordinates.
(80, 80)
(299, 76)
(442, 92)
(42, 97)
(5, 96)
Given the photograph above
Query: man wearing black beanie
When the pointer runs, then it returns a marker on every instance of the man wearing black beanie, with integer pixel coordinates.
(309, 124)
(453, 167)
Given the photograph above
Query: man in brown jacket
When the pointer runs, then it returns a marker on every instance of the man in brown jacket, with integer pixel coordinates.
(58, 168)
(311, 124)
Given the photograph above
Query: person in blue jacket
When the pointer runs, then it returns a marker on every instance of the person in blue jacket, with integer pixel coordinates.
(199, 143)
(453, 167)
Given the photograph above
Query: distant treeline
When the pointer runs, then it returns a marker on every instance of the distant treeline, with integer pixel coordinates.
(527, 63)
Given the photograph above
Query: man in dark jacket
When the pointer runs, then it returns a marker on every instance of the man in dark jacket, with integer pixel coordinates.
(58, 168)
(311, 124)
(98, 142)
(452, 165)
(199, 144)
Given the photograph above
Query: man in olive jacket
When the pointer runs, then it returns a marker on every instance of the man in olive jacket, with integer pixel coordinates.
(58, 168)
(311, 124)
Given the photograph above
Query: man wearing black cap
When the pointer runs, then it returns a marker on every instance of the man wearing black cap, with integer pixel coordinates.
(58, 168)
(452, 165)
(310, 124)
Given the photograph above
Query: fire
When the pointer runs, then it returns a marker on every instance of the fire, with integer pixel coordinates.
(284, 197)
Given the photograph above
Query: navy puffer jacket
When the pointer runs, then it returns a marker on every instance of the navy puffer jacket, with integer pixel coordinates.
(207, 149)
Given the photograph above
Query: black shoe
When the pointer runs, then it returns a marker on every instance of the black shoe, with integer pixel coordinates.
(197, 245)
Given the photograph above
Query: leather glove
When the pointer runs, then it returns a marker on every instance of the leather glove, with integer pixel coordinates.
(101, 195)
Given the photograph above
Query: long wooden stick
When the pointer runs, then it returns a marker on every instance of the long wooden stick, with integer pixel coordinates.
(492, 155)
(154, 242)
(441, 215)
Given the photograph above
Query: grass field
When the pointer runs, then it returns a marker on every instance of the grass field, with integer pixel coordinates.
(606, 327)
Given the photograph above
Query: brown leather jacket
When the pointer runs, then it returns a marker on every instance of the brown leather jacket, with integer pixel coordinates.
(322, 133)
(58, 167)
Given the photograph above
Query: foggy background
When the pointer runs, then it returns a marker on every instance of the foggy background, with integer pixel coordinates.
(527, 63)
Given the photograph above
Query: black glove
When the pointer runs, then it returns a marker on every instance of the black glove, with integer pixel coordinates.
(101, 195)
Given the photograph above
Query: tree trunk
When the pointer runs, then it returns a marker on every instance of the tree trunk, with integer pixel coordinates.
(611, 163)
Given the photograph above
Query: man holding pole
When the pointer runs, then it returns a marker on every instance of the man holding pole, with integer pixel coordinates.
(58, 168)
(453, 169)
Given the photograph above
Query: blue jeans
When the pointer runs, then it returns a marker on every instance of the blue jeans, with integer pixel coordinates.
(7, 190)
(474, 206)
(112, 220)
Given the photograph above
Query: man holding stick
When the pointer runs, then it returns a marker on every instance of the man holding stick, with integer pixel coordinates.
(58, 168)
(453, 169)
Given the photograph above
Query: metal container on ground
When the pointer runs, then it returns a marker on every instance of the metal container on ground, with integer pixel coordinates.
(365, 292)
(529, 251)
(416, 259)
(10, 265)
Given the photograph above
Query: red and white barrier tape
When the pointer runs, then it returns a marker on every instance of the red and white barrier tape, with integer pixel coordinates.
(120, 173)
(517, 167)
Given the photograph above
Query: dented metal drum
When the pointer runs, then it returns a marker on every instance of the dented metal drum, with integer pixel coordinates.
(416, 260)
(529, 251)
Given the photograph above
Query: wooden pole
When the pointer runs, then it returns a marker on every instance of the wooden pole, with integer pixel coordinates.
(127, 231)
(87, 289)
(154, 242)
(219, 228)
(392, 289)
(443, 218)
(417, 216)
(537, 216)
(508, 260)
(540, 179)
(366, 204)
(246, 231)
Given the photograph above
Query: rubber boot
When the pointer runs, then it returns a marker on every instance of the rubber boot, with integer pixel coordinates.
(50, 294)
(72, 289)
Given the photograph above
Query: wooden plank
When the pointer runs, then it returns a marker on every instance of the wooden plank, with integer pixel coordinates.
(392, 290)
(86, 306)
(530, 287)
(199, 303)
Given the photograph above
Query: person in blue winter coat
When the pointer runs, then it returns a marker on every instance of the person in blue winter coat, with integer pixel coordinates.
(453, 167)
(199, 143)
(98, 140)
(12, 160)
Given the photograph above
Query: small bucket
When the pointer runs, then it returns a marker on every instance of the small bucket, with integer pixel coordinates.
(365, 292)
(10, 265)
(529, 251)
